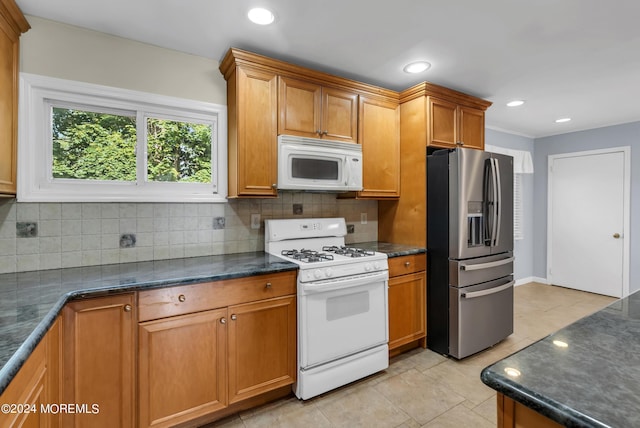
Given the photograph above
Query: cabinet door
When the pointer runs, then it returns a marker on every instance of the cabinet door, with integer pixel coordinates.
(182, 368)
(379, 136)
(253, 149)
(300, 107)
(99, 364)
(339, 115)
(471, 127)
(407, 309)
(36, 386)
(443, 123)
(262, 347)
(8, 107)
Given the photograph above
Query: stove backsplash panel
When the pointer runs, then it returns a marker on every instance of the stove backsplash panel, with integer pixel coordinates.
(37, 236)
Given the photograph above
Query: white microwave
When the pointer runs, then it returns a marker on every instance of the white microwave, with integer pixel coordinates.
(318, 165)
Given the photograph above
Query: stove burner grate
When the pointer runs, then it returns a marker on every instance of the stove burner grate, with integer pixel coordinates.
(348, 251)
(307, 256)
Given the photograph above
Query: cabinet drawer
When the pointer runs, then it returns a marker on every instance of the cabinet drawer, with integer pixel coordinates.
(184, 299)
(407, 264)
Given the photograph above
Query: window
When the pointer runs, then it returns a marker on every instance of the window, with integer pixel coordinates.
(518, 233)
(522, 164)
(90, 143)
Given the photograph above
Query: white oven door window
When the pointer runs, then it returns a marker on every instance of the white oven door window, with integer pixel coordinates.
(341, 322)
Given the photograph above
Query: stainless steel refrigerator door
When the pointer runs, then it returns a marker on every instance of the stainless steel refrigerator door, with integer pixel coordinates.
(503, 238)
(480, 203)
(468, 220)
(480, 316)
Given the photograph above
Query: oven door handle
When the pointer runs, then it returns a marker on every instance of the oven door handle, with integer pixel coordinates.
(343, 282)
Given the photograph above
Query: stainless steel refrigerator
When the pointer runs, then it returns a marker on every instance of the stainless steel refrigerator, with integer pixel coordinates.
(470, 250)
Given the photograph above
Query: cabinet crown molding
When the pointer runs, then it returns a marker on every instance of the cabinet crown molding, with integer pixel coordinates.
(238, 57)
(16, 20)
(431, 89)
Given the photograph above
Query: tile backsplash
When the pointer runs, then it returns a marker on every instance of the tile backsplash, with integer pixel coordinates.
(37, 236)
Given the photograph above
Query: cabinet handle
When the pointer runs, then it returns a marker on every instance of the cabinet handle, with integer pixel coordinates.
(234, 317)
(325, 133)
(274, 186)
(182, 298)
(407, 264)
(267, 285)
(223, 320)
(459, 143)
(127, 308)
(319, 132)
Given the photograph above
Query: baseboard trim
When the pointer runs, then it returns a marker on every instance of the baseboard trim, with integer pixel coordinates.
(529, 279)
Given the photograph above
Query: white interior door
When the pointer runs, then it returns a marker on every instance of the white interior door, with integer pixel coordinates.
(588, 219)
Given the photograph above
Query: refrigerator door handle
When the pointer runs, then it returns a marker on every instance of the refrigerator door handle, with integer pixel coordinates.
(486, 265)
(474, 294)
(494, 203)
(498, 204)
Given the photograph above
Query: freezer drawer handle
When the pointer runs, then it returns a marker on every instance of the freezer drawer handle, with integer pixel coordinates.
(481, 293)
(486, 265)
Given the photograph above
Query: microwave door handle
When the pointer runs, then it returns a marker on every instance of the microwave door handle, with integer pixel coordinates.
(345, 170)
(498, 201)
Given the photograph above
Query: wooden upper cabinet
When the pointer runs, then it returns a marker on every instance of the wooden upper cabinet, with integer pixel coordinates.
(253, 131)
(12, 24)
(471, 127)
(310, 110)
(380, 139)
(453, 125)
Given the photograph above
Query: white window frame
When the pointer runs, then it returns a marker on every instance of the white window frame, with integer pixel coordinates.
(35, 147)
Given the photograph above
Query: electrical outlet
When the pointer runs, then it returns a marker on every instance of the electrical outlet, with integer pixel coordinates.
(363, 218)
(255, 221)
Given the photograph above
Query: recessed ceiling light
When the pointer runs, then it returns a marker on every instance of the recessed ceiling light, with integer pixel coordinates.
(562, 120)
(261, 16)
(560, 344)
(515, 103)
(417, 67)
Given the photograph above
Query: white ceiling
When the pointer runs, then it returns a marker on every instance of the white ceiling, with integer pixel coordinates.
(573, 58)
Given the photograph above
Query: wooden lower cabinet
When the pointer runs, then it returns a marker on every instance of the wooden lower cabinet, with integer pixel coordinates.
(407, 303)
(200, 366)
(512, 414)
(34, 392)
(182, 371)
(262, 347)
(99, 360)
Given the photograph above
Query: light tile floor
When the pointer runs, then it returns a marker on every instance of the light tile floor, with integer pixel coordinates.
(422, 388)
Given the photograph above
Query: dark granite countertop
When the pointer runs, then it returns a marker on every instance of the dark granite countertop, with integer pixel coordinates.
(392, 250)
(585, 375)
(31, 301)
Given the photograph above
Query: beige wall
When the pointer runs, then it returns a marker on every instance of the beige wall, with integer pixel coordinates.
(71, 235)
(59, 50)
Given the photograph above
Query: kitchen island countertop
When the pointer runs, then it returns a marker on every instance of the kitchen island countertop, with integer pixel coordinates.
(585, 375)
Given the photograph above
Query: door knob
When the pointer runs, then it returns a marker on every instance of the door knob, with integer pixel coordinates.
(616, 235)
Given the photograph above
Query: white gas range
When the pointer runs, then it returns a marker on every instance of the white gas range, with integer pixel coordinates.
(342, 303)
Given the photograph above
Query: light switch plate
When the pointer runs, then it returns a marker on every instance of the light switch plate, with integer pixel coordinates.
(363, 218)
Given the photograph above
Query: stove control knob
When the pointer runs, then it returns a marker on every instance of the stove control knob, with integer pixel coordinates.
(367, 267)
(328, 272)
(376, 265)
(317, 273)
